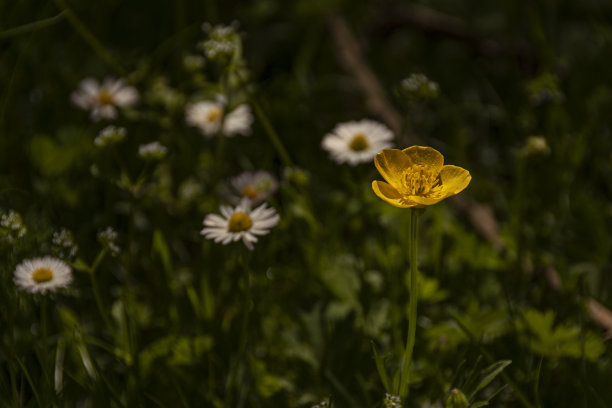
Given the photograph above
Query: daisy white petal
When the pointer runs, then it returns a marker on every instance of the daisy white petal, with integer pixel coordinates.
(238, 121)
(207, 116)
(126, 97)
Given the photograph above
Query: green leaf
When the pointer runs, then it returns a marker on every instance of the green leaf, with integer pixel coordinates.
(341, 275)
(160, 246)
(380, 366)
(267, 383)
(564, 340)
(488, 374)
(176, 350)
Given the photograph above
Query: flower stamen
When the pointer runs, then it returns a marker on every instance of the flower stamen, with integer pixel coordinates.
(419, 180)
(359, 142)
(42, 275)
(250, 193)
(214, 114)
(239, 222)
(105, 98)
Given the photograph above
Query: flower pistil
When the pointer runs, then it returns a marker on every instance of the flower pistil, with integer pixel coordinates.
(41, 275)
(419, 180)
(239, 222)
(359, 142)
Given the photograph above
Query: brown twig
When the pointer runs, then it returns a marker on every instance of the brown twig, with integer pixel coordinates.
(598, 312)
(601, 315)
(483, 219)
(351, 59)
(431, 21)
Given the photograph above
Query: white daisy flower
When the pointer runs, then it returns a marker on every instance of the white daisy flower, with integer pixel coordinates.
(256, 186)
(210, 118)
(41, 275)
(152, 151)
(103, 100)
(357, 142)
(240, 223)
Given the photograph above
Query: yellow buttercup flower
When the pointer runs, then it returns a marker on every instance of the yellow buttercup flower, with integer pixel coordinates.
(416, 177)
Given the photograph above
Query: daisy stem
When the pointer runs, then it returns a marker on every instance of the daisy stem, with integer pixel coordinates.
(89, 38)
(219, 158)
(96, 291)
(274, 138)
(244, 330)
(43, 322)
(412, 308)
(44, 358)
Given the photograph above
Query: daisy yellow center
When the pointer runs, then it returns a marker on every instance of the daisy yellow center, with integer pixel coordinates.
(419, 180)
(42, 275)
(359, 142)
(105, 98)
(239, 222)
(250, 193)
(213, 114)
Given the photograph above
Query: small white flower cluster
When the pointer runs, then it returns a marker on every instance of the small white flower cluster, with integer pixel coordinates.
(108, 239)
(535, 145)
(322, 404)
(221, 42)
(421, 86)
(110, 135)
(189, 190)
(152, 151)
(13, 227)
(215, 48)
(63, 240)
(392, 401)
(193, 62)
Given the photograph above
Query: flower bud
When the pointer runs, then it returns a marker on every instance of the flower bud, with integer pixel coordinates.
(456, 399)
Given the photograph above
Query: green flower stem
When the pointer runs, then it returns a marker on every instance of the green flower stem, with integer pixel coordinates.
(43, 322)
(96, 291)
(274, 138)
(29, 27)
(88, 37)
(412, 312)
(244, 335)
(46, 348)
(219, 164)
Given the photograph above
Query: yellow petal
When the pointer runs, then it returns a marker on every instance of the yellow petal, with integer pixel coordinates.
(422, 200)
(391, 164)
(454, 180)
(425, 156)
(390, 194)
